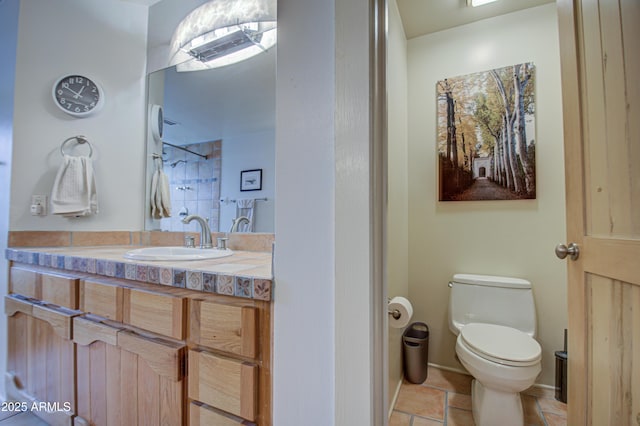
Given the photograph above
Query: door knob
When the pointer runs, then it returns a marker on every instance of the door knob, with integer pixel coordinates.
(563, 251)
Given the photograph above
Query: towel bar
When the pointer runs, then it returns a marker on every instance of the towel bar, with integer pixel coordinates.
(227, 200)
(80, 140)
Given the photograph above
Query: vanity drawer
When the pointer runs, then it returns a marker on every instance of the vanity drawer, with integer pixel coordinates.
(88, 329)
(223, 383)
(58, 318)
(60, 290)
(224, 327)
(201, 415)
(161, 313)
(24, 282)
(101, 299)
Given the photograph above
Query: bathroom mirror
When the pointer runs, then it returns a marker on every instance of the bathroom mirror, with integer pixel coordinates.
(228, 116)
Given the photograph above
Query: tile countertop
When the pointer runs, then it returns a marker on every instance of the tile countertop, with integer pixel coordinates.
(244, 274)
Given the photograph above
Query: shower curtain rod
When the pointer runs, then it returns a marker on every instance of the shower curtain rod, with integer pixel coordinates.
(185, 149)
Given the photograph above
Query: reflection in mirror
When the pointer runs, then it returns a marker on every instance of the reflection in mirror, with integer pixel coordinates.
(225, 117)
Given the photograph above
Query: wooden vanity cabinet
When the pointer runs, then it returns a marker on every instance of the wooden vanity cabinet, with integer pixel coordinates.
(227, 328)
(124, 378)
(58, 289)
(203, 415)
(224, 383)
(102, 299)
(124, 352)
(162, 312)
(41, 358)
(229, 361)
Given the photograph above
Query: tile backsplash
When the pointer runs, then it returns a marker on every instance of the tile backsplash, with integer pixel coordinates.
(237, 241)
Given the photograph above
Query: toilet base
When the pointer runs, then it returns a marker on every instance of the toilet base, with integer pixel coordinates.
(491, 407)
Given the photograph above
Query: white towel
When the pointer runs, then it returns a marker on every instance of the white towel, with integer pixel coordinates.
(74, 189)
(245, 207)
(160, 194)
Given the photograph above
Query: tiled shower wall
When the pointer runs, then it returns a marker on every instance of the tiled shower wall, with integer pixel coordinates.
(199, 180)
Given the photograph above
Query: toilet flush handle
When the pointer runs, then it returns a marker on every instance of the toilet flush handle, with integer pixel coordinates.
(450, 285)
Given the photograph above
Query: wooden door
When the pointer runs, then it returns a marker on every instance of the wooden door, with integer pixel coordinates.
(601, 96)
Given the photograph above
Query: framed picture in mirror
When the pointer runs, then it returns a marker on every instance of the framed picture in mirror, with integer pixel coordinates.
(251, 180)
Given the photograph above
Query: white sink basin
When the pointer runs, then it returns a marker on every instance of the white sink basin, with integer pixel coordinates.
(176, 253)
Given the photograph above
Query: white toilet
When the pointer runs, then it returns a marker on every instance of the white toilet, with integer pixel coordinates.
(495, 321)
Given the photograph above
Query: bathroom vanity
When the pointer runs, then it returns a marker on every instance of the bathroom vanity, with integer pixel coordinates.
(95, 338)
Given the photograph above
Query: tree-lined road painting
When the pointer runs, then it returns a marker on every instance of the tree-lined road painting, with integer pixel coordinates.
(486, 135)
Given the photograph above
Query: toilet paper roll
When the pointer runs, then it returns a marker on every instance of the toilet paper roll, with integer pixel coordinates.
(404, 308)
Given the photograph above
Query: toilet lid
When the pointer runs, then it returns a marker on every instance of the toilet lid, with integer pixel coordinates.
(501, 344)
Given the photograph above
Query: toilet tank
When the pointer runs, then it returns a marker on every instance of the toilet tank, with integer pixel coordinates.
(491, 300)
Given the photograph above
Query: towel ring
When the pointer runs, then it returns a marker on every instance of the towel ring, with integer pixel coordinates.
(80, 140)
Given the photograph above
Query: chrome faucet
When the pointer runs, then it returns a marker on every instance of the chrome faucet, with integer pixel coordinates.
(237, 222)
(205, 232)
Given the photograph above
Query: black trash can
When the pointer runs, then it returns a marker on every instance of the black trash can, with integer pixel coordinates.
(561, 376)
(561, 372)
(415, 350)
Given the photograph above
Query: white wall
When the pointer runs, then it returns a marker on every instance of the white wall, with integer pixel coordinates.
(322, 331)
(356, 296)
(8, 43)
(512, 238)
(398, 185)
(303, 323)
(103, 39)
(248, 152)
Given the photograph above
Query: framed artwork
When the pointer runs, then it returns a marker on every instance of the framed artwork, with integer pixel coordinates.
(251, 180)
(486, 135)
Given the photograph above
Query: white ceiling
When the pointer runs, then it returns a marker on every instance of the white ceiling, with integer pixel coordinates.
(421, 17)
(143, 2)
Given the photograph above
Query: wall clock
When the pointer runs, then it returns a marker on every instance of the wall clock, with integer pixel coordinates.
(78, 95)
(156, 121)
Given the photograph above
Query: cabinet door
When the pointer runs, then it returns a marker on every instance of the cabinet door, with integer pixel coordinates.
(223, 383)
(126, 379)
(40, 358)
(224, 327)
(157, 312)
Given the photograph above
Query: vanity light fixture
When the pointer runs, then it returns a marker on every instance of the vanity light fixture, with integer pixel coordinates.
(476, 3)
(223, 32)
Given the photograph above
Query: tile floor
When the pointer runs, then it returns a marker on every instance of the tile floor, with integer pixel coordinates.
(20, 419)
(445, 399)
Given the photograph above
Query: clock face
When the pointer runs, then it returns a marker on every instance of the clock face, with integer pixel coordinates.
(157, 122)
(77, 95)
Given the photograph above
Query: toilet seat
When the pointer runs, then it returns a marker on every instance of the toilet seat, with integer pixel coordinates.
(504, 345)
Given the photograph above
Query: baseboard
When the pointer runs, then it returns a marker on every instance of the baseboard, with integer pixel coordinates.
(13, 391)
(538, 389)
(395, 397)
(444, 367)
(541, 391)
